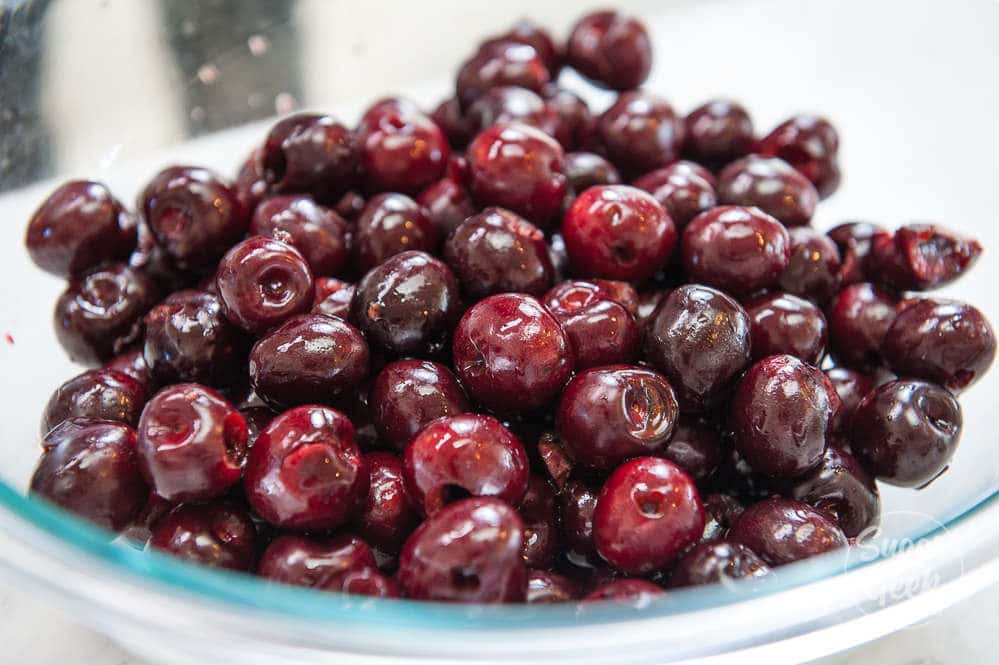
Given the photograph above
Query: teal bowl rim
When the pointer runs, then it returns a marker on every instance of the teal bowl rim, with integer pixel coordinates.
(250, 593)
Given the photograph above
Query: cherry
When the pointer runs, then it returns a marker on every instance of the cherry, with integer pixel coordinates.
(684, 190)
(640, 132)
(391, 224)
(449, 117)
(809, 143)
(783, 323)
(310, 153)
(695, 447)
(576, 123)
(387, 516)
(134, 365)
(853, 239)
(220, 534)
(814, 268)
(841, 487)
(576, 505)
(585, 170)
(770, 184)
(541, 530)
(514, 104)
(859, 317)
(718, 132)
(781, 531)
(919, 257)
(716, 561)
(100, 394)
(851, 386)
(333, 297)
(317, 563)
(527, 31)
(446, 204)
(610, 49)
(497, 63)
(319, 233)
(401, 150)
(628, 591)
(545, 587)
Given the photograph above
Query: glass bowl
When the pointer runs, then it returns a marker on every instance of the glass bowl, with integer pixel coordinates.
(115, 91)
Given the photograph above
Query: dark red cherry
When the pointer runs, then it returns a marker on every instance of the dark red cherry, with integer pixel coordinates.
(99, 315)
(408, 394)
(367, 581)
(317, 232)
(541, 529)
(152, 261)
(250, 184)
(501, 62)
(716, 561)
(464, 455)
(316, 563)
(736, 249)
(944, 341)
(722, 510)
(309, 359)
(407, 305)
(511, 354)
(814, 268)
(514, 104)
(194, 215)
(608, 414)
(684, 190)
(919, 257)
(447, 204)
(450, 118)
(717, 133)
(695, 447)
(468, 552)
(809, 143)
(576, 122)
(841, 487)
(770, 184)
(618, 232)
(859, 317)
(79, 226)
(851, 386)
(497, 251)
(783, 415)
(305, 471)
(699, 339)
(401, 150)
(545, 587)
(783, 323)
(192, 443)
(134, 365)
(391, 224)
(906, 431)
(853, 239)
(350, 206)
(220, 534)
(648, 512)
(602, 334)
(89, 467)
(640, 132)
(310, 153)
(586, 169)
(387, 516)
(100, 394)
(782, 531)
(611, 49)
(333, 297)
(520, 168)
(577, 502)
(626, 591)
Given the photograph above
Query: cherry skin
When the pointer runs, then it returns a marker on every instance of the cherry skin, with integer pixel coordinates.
(316, 563)
(906, 431)
(851, 386)
(722, 510)
(783, 415)
(134, 365)
(100, 394)
(333, 297)
(841, 487)
(695, 447)
(309, 359)
(497, 251)
(541, 530)
(782, 531)
(684, 190)
(449, 117)
(391, 224)
(527, 31)
(919, 257)
(220, 534)
(648, 512)
(576, 121)
(305, 471)
(191, 443)
(699, 338)
(618, 232)
(250, 185)
(577, 502)
(469, 552)
(736, 249)
(783, 323)
(629, 591)
(514, 166)
(511, 354)
(387, 516)
(514, 104)
(89, 467)
(718, 132)
(447, 204)
(610, 49)
(813, 270)
(809, 143)
(310, 153)
(587, 169)
(194, 215)
(464, 455)
(716, 561)
(544, 587)
(408, 394)
(262, 283)
(319, 233)
(79, 226)
(640, 132)
(401, 150)
(770, 184)
(946, 342)
(499, 63)
(188, 339)
(859, 318)
(407, 305)
(853, 239)
(602, 334)
(367, 581)
(608, 414)
(99, 315)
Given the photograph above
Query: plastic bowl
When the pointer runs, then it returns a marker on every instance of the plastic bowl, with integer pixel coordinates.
(911, 88)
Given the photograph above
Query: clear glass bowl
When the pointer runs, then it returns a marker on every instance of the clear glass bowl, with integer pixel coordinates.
(114, 91)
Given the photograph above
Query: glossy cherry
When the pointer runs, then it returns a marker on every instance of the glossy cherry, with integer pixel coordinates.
(944, 341)
(684, 190)
(262, 283)
(841, 487)
(814, 268)
(333, 297)
(447, 204)
(468, 552)
(577, 126)
(810, 144)
(79, 226)
(391, 224)
(99, 315)
(716, 561)
(527, 31)
(310, 153)
(316, 563)
(449, 117)
(618, 232)
(577, 501)
(611, 49)
(783, 415)
(544, 587)
(134, 365)
(464, 455)
(319, 233)
(628, 591)
(851, 386)
(640, 132)
(770, 184)
(408, 394)
(699, 339)
(782, 531)
(919, 257)
(89, 467)
(220, 534)
(305, 471)
(309, 359)
(718, 132)
(514, 104)
(587, 169)
(906, 431)
(783, 323)
(859, 317)
(387, 516)
(511, 354)
(539, 511)
(647, 513)
(722, 511)
(100, 394)
(501, 62)
(853, 239)
(401, 150)
(695, 447)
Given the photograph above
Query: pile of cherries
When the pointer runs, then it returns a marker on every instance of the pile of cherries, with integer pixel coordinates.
(450, 356)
